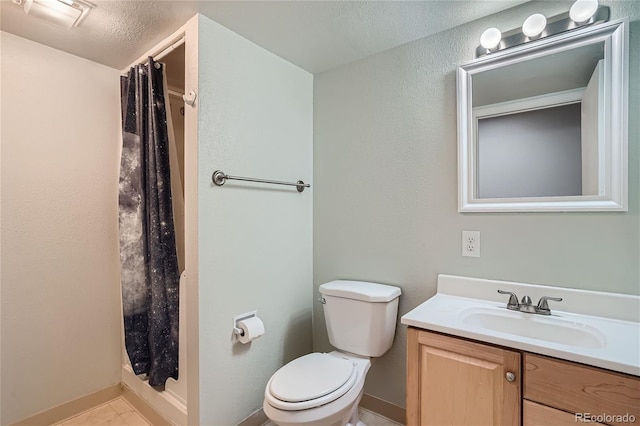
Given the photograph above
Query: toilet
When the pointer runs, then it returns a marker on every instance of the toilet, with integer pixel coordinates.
(324, 389)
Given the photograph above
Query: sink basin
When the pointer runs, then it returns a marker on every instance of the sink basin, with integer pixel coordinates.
(549, 329)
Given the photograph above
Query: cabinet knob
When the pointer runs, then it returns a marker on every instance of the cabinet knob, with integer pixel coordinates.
(510, 376)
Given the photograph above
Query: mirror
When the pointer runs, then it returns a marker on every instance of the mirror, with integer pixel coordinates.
(543, 126)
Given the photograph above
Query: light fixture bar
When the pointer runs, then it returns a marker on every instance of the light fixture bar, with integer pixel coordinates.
(555, 25)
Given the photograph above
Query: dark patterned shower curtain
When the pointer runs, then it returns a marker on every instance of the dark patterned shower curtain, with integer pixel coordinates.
(149, 264)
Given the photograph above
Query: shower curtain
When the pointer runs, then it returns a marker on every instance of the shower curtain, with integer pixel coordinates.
(149, 264)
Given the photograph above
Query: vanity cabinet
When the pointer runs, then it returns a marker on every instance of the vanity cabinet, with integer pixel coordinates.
(451, 381)
(454, 381)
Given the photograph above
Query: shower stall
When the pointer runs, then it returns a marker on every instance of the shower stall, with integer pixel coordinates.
(170, 400)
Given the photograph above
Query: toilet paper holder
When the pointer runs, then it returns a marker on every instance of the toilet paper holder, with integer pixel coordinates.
(237, 331)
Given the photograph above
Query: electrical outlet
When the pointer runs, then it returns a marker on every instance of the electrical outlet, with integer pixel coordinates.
(471, 243)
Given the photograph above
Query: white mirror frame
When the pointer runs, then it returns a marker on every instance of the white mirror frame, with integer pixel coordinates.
(613, 140)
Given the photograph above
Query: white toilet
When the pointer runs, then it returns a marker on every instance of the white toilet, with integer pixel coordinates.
(324, 389)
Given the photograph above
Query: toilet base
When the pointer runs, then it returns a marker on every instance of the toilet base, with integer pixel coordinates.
(355, 416)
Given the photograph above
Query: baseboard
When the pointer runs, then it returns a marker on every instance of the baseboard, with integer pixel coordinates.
(384, 408)
(72, 408)
(143, 408)
(257, 418)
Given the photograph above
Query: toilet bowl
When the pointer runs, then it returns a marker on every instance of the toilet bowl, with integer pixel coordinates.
(318, 389)
(324, 389)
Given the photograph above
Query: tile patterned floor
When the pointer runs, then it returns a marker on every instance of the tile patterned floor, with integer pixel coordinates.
(116, 413)
(119, 413)
(370, 418)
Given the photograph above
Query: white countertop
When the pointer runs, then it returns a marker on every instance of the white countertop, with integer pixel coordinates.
(472, 308)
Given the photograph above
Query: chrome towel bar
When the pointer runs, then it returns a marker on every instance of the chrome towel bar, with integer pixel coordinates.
(219, 178)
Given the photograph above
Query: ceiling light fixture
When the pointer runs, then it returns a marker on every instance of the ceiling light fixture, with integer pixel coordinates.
(65, 13)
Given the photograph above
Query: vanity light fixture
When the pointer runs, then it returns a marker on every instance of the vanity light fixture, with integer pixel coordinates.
(64, 13)
(537, 26)
(582, 10)
(534, 25)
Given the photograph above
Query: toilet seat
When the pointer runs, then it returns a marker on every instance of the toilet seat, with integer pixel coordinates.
(310, 381)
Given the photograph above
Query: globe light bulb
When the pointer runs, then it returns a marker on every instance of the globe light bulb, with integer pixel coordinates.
(582, 10)
(534, 25)
(490, 38)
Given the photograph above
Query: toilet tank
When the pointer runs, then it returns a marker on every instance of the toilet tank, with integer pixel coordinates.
(360, 316)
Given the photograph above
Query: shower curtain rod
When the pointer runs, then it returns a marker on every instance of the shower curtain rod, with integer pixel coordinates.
(169, 49)
(156, 56)
(176, 93)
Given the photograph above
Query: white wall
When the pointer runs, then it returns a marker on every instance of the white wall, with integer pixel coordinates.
(385, 175)
(255, 249)
(60, 264)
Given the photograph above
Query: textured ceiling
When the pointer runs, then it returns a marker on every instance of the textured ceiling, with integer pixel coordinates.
(315, 35)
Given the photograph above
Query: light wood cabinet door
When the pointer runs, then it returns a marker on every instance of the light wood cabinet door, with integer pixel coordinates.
(452, 381)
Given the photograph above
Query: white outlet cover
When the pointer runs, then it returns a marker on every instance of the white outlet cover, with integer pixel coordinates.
(471, 243)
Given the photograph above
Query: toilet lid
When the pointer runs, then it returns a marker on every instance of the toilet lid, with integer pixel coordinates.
(310, 377)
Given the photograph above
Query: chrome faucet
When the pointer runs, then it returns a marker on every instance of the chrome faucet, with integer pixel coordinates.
(542, 308)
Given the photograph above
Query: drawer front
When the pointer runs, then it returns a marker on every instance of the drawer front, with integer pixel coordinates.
(534, 414)
(581, 389)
